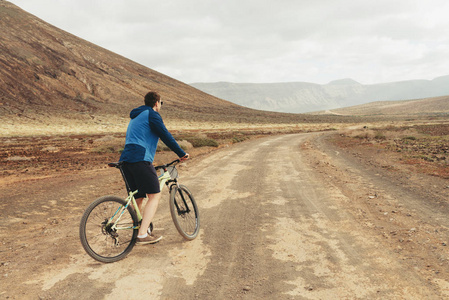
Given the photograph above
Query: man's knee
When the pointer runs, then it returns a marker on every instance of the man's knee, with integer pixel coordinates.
(156, 196)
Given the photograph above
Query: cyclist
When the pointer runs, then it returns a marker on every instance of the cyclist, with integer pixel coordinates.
(142, 136)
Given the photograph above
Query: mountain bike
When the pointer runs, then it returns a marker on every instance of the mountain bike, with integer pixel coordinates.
(109, 225)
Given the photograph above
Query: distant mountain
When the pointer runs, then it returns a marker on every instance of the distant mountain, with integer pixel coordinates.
(301, 97)
(429, 106)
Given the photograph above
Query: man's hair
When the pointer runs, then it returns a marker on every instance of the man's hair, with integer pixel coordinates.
(151, 98)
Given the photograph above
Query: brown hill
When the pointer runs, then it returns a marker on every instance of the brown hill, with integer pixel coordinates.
(48, 75)
(430, 106)
(44, 69)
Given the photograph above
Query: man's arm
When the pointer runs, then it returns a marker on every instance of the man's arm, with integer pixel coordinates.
(158, 127)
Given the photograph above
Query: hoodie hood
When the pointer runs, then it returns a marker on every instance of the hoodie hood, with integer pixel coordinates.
(136, 111)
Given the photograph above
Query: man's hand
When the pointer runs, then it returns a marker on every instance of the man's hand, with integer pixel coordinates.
(185, 157)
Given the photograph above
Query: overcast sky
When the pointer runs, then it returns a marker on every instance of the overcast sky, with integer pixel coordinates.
(265, 40)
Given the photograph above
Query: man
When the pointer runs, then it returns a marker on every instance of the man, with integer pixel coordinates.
(142, 136)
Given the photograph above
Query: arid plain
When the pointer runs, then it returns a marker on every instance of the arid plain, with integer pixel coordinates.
(349, 203)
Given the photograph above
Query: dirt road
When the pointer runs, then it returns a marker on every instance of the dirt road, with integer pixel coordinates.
(283, 217)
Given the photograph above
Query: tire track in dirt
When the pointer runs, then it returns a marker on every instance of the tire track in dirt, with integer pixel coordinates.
(335, 257)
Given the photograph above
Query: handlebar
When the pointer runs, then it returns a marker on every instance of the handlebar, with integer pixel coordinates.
(119, 165)
(164, 167)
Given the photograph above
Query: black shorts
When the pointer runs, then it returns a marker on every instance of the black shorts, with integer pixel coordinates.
(141, 176)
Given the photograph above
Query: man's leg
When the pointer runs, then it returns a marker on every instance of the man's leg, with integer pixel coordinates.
(139, 202)
(149, 212)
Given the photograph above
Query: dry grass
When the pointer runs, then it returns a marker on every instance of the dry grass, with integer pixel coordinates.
(110, 124)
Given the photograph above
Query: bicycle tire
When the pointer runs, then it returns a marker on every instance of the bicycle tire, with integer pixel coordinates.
(184, 212)
(103, 243)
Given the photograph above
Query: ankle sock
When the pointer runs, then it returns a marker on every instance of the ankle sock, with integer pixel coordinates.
(142, 236)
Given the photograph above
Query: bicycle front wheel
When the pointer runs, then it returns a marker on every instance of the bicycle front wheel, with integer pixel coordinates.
(184, 212)
(107, 232)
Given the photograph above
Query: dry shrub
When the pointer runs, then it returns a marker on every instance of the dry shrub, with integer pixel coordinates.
(185, 145)
(408, 133)
(107, 149)
(107, 144)
(202, 142)
(359, 133)
(17, 158)
(105, 139)
(201, 136)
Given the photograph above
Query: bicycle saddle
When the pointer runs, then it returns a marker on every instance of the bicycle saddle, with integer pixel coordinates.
(115, 165)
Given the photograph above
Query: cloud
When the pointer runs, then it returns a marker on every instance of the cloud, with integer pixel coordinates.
(265, 40)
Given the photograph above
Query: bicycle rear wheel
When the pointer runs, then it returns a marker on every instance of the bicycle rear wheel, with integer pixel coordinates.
(184, 212)
(98, 237)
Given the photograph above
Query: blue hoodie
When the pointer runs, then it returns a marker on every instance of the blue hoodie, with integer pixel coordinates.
(143, 133)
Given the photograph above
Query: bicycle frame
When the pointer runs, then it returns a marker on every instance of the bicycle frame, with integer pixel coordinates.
(163, 179)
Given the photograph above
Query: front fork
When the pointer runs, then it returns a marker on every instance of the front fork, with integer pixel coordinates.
(186, 208)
